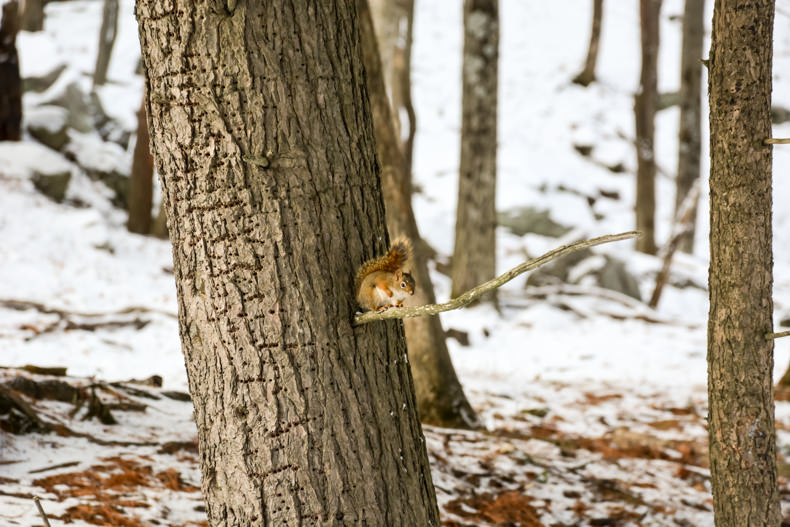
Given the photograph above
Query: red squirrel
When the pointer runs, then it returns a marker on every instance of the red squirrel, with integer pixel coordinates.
(382, 282)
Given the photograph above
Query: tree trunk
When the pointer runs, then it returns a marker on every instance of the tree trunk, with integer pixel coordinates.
(740, 357)
(440, 397)
(10, 81)
(474, 256)
(394, 23)
(689, 142)
(32, 15)
(159, 226)
(263, 139)
(141, 181)
(645, 112)
(587, 75)
(107, 33)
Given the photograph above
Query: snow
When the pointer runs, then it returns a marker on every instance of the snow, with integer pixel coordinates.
(596, 364)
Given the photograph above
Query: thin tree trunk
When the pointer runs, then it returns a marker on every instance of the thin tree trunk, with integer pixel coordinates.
(440, 397)
(401, 92)
(141, 181)
(689, 134)
(474, 255)
(587, 75)
(107, 33)
(10, 81)
(645, 112)
(740, 357)
(394, 23)
(263, 140)
(32, 15)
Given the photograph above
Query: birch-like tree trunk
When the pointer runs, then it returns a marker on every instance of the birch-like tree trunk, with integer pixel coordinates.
(440, 396)
(474, 255)
(10, 81)
(107, 34)
(262, 136)
(689, 130)
(740, 357)
(645, 111)
(587, 75)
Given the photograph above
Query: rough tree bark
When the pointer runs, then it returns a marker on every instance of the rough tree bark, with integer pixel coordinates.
(440, 396)
(474, 255)
(689, 141)
(645, 113)
(262, 136)
(740, 357)
(587, 75)
(141, 181)
(10, 81)
(107, 33)
(394, 23)
(32, 15)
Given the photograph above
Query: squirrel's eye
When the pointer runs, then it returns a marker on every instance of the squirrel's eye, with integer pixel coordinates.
(403, 285)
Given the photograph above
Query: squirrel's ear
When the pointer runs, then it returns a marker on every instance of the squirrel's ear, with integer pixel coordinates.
(399, 274)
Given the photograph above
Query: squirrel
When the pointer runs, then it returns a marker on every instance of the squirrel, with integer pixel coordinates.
(382, 282)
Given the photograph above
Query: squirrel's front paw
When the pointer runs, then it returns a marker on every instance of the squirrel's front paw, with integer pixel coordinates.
(383, 308)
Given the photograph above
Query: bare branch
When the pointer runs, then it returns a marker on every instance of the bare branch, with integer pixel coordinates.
(777, 335)
(776, 141)
(474, 293)
(41, 511)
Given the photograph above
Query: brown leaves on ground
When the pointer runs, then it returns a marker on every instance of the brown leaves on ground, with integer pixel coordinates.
(105, 487)
(508, 508)
(598, 457)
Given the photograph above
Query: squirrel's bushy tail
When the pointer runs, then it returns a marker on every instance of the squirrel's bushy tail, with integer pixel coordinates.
(399, 253)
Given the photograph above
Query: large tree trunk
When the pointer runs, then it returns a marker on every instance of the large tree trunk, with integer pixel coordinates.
(262, 136)
(394, 23)
(141, 181)
(474, 255)
(32, 15)
(587, 75)
(740, 357)
(107, 33)
(689, 142)
(440, 397)
(10, 81)
(645, 111)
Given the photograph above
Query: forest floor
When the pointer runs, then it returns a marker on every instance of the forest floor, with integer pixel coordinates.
(592, 405)
(125, 454)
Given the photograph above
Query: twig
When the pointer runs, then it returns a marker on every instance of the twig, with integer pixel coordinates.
(682, 228)
(475, 292)
(41, 511)
(21, 305)
(776, 141)
(777, 335)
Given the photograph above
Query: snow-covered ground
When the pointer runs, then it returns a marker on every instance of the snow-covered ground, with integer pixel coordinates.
(551, 375)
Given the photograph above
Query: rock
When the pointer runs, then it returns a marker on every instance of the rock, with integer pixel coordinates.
(53, 185)
(779, 114)
(525, 220)
(607, 271)
(41, 83)
(102, 161)
(48, 125)
(613, 275)
(558, 271)
(76, 103)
